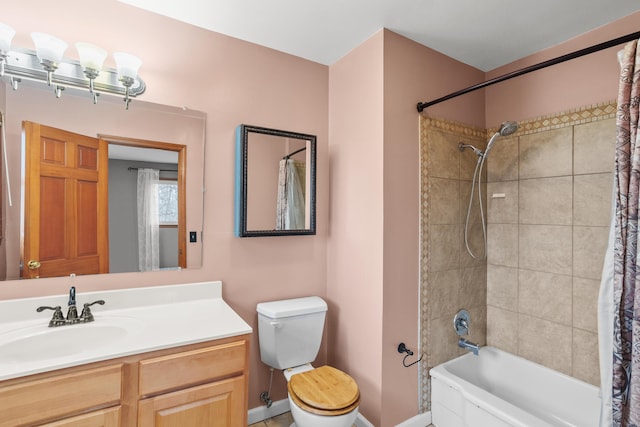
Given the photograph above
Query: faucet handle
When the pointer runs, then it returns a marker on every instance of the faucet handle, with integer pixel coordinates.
(58, 317)
(86, 315)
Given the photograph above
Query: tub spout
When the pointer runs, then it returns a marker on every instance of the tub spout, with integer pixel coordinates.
(468, 345)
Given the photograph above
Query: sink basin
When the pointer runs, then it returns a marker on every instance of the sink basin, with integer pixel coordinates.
(41, 342)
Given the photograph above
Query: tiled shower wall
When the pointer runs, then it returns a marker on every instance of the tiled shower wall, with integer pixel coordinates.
(450, 278)
(549, 202)
(548, 208)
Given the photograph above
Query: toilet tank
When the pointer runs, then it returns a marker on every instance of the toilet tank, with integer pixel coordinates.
(290, 331)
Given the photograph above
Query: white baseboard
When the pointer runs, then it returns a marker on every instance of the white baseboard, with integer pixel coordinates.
(420, 420)
(262, 413)
(361, 421)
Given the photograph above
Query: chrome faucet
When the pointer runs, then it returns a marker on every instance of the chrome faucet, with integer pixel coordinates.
(72, 312)
(461, 324)
(58, 318)
(468, 345)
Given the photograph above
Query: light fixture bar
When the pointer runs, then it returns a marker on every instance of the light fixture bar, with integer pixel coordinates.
(24, 63)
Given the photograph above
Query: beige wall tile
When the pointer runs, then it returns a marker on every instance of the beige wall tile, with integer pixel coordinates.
(443, 155)
(465, 194)
(502, 329)
(473, 287)
(502, 244)
(545, 248)
(545, 342)
(585, 304)
(476, 243)
(592, 195)
(545, 295)
(546, 154)
(444, 341)
(546, 200)
(478, 329)
(503, 210)
(444, 293)
(445, 201)
(586, 365)
(594, 146)
(589, 247)
(502, 287)
(502, 163)
(444, 247)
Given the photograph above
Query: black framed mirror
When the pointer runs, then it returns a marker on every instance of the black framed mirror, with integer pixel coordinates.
(275, 183)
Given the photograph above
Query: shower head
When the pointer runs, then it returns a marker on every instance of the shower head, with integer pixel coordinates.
(507, 128)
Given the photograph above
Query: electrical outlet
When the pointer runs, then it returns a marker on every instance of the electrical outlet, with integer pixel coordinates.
(193, 236)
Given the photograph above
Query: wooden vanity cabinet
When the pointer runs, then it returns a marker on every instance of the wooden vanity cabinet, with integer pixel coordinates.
(216, 397)
(204, 384)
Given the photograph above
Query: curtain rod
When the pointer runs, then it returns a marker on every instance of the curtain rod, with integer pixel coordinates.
(294, 153)
(541, 65)
(159, 170)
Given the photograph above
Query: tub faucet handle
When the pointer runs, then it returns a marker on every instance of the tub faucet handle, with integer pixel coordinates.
(461, 322)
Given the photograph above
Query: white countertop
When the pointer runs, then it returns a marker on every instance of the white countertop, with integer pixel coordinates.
(154, 318)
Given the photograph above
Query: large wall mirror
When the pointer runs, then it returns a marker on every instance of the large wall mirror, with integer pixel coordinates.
(275, 182)
(146, 137)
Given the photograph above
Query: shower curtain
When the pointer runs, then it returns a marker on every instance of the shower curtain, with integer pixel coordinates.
(625, 381)
(148, 220)
(290, 214)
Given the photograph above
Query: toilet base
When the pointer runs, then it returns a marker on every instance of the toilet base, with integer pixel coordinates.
(303, 418)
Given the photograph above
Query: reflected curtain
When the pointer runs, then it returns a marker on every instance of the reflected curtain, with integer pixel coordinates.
(290, 213)
(625, 396)
(148, 220)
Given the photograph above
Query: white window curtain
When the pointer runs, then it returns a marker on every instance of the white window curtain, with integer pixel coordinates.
(290, 205)
(148, 221)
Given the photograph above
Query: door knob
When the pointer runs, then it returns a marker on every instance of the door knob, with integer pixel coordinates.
(33, 264)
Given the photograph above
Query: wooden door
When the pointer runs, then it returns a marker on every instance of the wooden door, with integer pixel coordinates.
(218, 404)
(66, 203)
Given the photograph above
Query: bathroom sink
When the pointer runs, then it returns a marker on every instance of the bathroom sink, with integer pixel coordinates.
(40, 342)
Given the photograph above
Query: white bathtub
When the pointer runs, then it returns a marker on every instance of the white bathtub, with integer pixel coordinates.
(498, 389)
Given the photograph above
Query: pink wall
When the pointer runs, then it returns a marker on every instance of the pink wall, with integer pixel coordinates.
(355, 245)
(233, 82)
(373, 259)
(588, 80)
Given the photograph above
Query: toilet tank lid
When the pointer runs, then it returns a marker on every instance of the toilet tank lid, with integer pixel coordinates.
(291, 307)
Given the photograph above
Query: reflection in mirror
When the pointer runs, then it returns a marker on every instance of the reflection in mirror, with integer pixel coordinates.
(142, 122)
(275, 182)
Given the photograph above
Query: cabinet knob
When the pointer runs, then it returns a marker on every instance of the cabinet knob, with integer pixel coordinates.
(33, 264)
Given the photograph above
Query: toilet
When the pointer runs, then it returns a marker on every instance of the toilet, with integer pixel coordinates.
(290, 333)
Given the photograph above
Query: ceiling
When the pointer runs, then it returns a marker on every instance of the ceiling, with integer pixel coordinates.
(482, 33)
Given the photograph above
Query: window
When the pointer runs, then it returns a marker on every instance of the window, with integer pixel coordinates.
(168, 202)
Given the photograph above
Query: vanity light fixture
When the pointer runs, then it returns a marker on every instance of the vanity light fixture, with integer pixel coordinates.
(48, 65)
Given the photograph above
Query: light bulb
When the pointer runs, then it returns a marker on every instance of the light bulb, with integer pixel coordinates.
(91, 57)
(49, 48)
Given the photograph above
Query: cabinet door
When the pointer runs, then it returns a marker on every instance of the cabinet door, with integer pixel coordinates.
(104, 418)
(218, 404)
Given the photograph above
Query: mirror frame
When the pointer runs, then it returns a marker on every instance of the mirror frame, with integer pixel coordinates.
(241, 181)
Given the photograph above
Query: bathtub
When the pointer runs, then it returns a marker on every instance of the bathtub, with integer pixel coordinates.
(498, 389)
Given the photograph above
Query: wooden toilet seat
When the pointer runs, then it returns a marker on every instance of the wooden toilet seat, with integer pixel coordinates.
(324, 391)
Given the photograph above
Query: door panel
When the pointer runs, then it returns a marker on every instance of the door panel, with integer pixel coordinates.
(66, 203)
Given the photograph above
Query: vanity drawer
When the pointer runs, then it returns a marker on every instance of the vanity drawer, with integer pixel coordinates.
(179, 370)
(60, 396)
